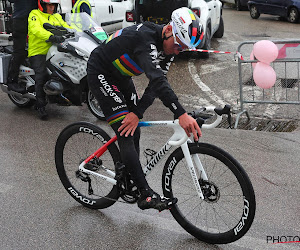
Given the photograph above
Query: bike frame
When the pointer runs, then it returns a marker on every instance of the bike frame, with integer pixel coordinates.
(179, 138)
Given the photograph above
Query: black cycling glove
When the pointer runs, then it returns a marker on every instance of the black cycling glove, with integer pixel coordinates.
(56, 39)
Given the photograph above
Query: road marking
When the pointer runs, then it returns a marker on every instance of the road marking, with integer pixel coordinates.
(202, 85)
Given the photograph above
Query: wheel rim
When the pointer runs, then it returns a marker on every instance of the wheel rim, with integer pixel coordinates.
(253, 11)
(293, 15)
(78, 147)
(20, 100)
(224, 202)
(94, 105)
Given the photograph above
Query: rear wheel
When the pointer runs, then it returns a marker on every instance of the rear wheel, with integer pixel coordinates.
(74, 144)
(293, 15)
(254, 13)
(21, 102)
(228, 208)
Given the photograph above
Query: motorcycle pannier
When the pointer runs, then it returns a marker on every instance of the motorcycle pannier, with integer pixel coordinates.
(4, 63)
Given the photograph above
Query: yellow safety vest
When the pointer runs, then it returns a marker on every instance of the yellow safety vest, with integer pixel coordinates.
(77, 5)
(37, 35)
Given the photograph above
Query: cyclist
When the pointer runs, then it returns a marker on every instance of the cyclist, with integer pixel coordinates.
(148, 48)
(39, 42)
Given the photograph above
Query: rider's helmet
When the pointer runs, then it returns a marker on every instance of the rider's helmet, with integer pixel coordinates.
(42, 5)
(187, 27)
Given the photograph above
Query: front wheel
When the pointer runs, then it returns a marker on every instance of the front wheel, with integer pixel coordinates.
(74, 144)
(254, 13)
(228, 208)
(94, 106)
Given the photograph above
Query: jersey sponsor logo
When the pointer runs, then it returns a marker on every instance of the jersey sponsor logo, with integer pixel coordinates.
(115, 88)
(33, 18)
(108, 89)
(119, 107)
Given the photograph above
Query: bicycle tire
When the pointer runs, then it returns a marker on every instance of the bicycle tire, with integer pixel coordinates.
(74, 144)
(220, 218)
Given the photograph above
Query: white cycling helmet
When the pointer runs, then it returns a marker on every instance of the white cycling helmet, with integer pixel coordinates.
(187, 27)
(42, 4)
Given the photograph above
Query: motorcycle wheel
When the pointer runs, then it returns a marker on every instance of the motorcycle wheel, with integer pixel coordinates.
(21, 102)
(94, 106)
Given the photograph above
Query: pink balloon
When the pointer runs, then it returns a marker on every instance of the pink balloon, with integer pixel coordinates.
(264, 75)
(252, 58)
(265, 51)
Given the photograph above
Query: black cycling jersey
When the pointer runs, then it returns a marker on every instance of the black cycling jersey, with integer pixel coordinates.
(132, 51)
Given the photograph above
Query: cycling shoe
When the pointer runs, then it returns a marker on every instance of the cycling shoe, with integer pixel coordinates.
(154, 200)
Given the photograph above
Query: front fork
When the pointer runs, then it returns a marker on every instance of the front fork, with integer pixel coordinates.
(189, 160)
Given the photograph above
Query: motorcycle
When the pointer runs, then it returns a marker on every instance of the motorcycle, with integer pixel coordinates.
(66, 63)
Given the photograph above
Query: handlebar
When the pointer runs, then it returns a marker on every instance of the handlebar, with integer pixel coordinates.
(201, 116)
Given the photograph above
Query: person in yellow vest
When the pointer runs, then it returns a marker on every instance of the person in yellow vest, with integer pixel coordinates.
(39, 42)
(82, 6)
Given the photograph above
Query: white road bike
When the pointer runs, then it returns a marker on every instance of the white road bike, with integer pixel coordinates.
(216, 200)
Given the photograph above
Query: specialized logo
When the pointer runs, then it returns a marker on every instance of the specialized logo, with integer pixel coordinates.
(108, 89)
(157, 157)
(148, 199)
(139, 26)
(134, 98)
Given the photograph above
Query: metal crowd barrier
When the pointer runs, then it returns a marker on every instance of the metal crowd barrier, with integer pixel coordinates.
(287, 87)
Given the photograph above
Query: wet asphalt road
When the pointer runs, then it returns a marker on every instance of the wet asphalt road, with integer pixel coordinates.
(37, 213)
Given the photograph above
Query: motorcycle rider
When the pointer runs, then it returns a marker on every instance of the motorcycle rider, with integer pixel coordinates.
(20, 29)
(39, 42)
(148, 48)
